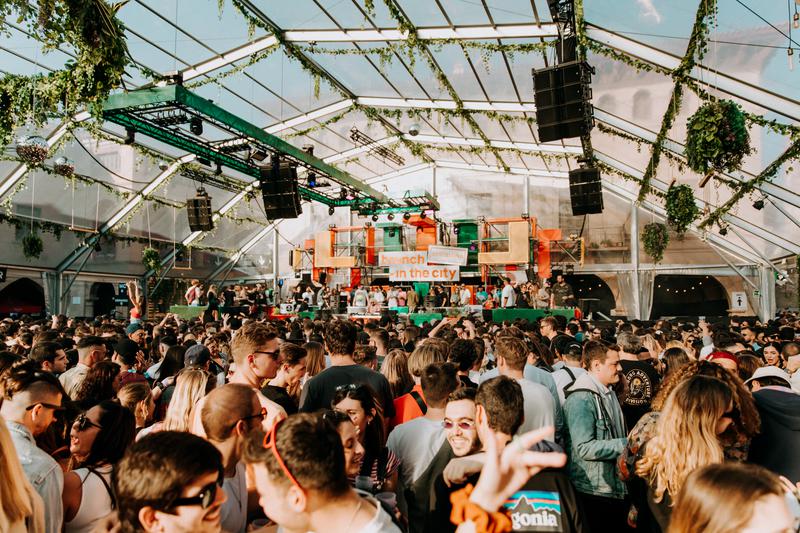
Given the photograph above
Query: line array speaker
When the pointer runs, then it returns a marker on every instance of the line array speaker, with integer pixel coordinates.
(562, 95)
(279, 191)
(199, 210)
(585, 191)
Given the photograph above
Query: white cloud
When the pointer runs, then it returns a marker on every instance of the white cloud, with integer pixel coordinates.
(649, 11)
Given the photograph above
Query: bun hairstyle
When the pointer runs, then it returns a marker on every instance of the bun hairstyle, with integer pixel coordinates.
(26, 375)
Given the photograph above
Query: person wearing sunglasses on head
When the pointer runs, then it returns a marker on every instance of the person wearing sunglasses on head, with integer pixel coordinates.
(169, 481)
(300, 475)
(30, 399)
(98, 439)
(229, 414)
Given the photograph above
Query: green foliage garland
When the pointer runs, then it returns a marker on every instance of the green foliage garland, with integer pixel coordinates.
(92, 28)
(151, 259)
(32, 246)
(717, 137)
(681, 208)
(655, 238)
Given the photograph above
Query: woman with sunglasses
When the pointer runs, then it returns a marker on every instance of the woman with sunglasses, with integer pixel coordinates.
(686, 438)
(380, 465)
(98, 440)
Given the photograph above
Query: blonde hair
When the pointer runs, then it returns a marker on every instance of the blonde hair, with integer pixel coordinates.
(315, 358)
(686, 437)
(18, 500)
(395, 368)
(249, 338)
(132, 394)
(423, 355)
(191, 385)
(721, 498)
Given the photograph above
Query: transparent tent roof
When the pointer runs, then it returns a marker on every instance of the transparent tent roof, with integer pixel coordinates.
(356, 61)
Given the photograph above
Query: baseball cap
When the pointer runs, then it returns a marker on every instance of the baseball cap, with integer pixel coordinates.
(133, 327)
(196, 355)
(127, 350)
(770, 372)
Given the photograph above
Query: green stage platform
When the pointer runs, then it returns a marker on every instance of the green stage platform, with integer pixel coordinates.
(187, 312)
(499, 315)
(420, 318)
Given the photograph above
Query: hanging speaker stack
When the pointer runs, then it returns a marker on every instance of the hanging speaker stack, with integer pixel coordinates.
(585, 191)
(279, 190)
(562, 95)
(199, 210)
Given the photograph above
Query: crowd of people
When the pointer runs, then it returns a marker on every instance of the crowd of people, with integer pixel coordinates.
(239, 424)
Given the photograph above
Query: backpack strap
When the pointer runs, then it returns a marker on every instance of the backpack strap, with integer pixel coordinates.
(420, 402)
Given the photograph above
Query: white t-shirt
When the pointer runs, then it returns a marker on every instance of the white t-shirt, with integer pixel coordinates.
(415, 442)
(234, 510)
(465, 296)
(509, 297)
(539, 407)
(381, 522)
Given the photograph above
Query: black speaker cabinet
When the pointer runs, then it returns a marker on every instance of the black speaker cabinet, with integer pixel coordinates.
(279, 191)
(199, 211)
(585, 191)
(562, 95)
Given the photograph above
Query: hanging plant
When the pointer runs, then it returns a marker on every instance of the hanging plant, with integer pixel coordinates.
(64, 167)
(32, 149)
(32, 246)
(717, 138)
(151, 259)
(681, 208)
(655, 238)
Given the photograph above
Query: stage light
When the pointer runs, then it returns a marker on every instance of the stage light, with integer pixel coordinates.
(423, 215)
(312, 180)
(130, 136)
(390, 216)
(374, 218)
(723, 230)
(456, 230)
(759, 204)
(331, 210)
(218, 171)
(406, 216)
(196, 125)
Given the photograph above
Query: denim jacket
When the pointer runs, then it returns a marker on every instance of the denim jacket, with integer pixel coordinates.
(596, 438)
(43, 472)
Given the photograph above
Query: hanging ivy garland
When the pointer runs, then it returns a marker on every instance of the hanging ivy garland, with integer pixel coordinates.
(151, 259)
(91, 27)
(655, 238)
(32, 246)
(716, 138)
(681, 208)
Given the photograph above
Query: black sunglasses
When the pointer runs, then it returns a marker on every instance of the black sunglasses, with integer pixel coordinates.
(47, 405)
(83, 422)
(348, 387)
(261, 414)
(204, 498)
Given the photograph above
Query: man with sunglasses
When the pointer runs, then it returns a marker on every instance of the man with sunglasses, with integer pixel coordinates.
(299, 470)
(170, 481)
(31, 398)
(228, 416)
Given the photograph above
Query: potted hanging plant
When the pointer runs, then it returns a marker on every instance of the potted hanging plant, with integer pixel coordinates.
(151, 259)
(655, 238)
(716, 138)
(681, 208)
(32, 246)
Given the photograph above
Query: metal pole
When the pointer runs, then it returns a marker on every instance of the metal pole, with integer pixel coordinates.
(433, 181)
(637, 295)
(526, 194)
(74, 277)
(783, 211)
(741, 274)
(276, 271)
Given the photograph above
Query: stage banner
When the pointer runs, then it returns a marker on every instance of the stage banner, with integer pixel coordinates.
(447, 255)
(391, 259)
(410, 273)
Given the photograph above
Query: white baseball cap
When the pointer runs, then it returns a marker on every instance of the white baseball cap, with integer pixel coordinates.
(770, 371)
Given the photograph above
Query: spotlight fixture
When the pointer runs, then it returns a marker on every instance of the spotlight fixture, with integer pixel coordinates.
(351, 195)
(390, 216)
(312, 180)
(423, 215)
(723, 230)
(259, 155)
(309, 149)
(392, 232)
(331, 210)
(196, 125)
(374, 218)
(218, 171)
(456, 229)
(570, 269)
(406, 216)
(759, 204)
(343, 194)
(130, 136)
